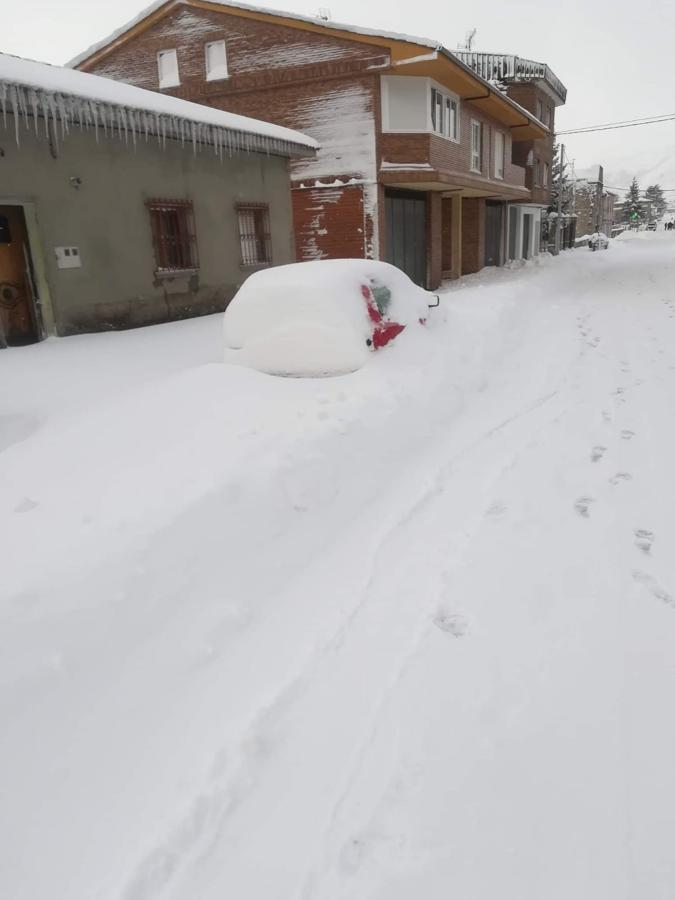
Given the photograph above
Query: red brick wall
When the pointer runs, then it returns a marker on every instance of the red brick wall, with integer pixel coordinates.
(528, 95)
(329, 223)
(448, 156)
(473, 234)
(256, 51)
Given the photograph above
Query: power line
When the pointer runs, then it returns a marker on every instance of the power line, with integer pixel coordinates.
(612, 126)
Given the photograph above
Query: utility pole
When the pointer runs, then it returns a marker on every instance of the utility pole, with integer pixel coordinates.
(598, 198)
(558, 224)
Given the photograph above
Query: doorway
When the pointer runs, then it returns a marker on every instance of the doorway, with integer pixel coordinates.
(527, 232)
(406, 236)
(493, 233)
(18, 317)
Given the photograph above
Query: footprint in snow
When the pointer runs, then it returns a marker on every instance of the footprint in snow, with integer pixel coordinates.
(655, 589)
(582, 506)
(26, 505)
(497, 510)
(451, 623)
(644, 540)
(627, 434)
(619, 477)
(597, 453)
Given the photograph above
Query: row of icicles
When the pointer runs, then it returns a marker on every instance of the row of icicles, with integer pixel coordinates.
(127, 123)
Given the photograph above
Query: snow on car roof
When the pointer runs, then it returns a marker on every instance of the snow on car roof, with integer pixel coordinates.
(22, 79)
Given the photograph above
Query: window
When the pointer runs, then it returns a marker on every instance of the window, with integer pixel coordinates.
(173, 235)
(216, 60)
(546, 172)
(476, 145)
(444, 115)
(540, 110)
(537, 173)
(499, 154)
(167, 68)
(254, 234)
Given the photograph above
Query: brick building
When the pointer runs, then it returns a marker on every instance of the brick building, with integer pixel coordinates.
(594, 215)
(420, 156)
(535, 87)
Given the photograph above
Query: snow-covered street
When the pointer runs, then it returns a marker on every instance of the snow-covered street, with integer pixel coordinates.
(403, 633)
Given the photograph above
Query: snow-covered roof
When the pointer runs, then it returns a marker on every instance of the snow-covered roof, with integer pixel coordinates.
(119, 33)
(35, 89)
(326, 23)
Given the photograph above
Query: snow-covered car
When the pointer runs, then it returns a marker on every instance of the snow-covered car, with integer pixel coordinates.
(322, 317)
(598, 241)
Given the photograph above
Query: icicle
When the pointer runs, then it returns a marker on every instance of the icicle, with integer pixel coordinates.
(94, 109)
(158, 130)
(145, 125)
(193, 126)
(13, 102)
(34, 105)
(163, 120)
(132, 122)
(3, 98)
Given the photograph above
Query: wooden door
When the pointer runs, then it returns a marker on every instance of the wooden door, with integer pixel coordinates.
(17, 311)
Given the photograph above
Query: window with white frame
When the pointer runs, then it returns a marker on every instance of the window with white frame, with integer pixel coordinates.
(444, 114)
(216, 60)
(546, 174)
(540, 110)
(167, 68)
(476, 145)
(499, 154)
(537, 173)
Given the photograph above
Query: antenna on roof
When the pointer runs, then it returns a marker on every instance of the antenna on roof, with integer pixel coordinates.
(468, 40)
(324, 13)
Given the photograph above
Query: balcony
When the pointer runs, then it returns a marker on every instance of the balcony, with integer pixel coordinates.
(505, 68)
(435, 163)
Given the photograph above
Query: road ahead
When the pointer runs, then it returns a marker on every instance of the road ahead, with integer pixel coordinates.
(405, 633)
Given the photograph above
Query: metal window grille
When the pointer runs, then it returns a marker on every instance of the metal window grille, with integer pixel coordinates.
(254, 234)
(173, 235)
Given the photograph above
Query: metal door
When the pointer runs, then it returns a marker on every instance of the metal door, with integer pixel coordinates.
(527, 227)
(513, 232)
(406, 235)
(18, 323)
(493, 233)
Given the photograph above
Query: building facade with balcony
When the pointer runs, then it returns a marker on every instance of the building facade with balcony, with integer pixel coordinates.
(420, 156)
(539, 90)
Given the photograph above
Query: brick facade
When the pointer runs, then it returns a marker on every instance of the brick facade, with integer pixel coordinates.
(329, 87)
(530, 96)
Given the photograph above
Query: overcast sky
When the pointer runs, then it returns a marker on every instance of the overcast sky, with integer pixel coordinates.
(616, 58)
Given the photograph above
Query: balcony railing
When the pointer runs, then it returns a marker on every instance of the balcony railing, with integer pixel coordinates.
(501, 67)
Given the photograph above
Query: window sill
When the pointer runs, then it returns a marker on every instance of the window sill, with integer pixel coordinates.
(168, 87)
(475, 171)
(175, 273)
(445, 137)
(213, 78)
(257, 265)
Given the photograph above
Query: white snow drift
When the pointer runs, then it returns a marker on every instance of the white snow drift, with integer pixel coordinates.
(402, 633)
